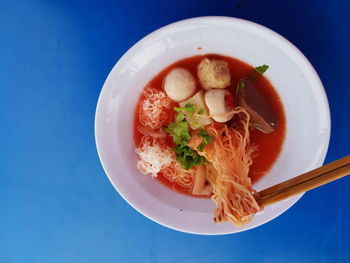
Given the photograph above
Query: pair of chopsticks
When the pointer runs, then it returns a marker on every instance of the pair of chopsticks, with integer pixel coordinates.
(305, 182)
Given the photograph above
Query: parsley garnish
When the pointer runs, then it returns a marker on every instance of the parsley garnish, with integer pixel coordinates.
(206, 139)
(179, 131)
(189, 107)
(180, 117)
(254, 74)
(188, 157)
(241, 84)
(261, 69)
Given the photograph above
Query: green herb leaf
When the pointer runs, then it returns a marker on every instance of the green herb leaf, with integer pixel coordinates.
(201, 111)
(207, 139)
(203, 133)
(187, 157)
(189, 107)
(241, 84)
(180, 117)
(179, 132)
(261, 69)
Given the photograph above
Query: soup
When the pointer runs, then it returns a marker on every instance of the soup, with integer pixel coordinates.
(210, 126)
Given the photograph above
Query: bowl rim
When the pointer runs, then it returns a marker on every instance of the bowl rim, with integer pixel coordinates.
(260, 27)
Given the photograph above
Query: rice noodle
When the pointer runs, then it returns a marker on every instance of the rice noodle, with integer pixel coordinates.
(153, 156)
(153, 112)
(175, 173)
(159, 134)
(230, 156)
(168, 166)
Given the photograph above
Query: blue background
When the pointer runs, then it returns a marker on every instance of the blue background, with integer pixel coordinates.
(57, 205)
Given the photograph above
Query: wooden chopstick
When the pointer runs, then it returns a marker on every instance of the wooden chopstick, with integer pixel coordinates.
(305, 182)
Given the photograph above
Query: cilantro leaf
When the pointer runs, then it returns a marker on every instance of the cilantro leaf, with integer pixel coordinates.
(189, 107)
(179, 132)
(203, 133)
(180, 117)
(254, 74)
(261, 69)
(207, 139)
(188, 157)
(241, 84)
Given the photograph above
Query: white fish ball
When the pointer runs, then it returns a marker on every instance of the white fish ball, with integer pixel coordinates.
(179, 84)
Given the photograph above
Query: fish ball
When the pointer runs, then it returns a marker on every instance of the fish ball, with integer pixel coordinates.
(214, 74)
(179, 84)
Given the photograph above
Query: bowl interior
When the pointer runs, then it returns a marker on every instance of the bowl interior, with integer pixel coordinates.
(301, 92)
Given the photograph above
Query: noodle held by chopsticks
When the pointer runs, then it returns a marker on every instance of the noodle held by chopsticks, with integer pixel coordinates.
(230, 158)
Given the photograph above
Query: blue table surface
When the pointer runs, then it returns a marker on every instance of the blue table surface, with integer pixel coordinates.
(57, 205)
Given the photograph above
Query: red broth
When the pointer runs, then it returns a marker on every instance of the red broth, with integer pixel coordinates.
(269, 145)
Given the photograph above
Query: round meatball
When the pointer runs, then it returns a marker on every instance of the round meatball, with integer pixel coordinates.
(214, 74)
(179, 84)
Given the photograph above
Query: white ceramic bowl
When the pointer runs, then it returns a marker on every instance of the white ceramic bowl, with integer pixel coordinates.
(296, 81)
